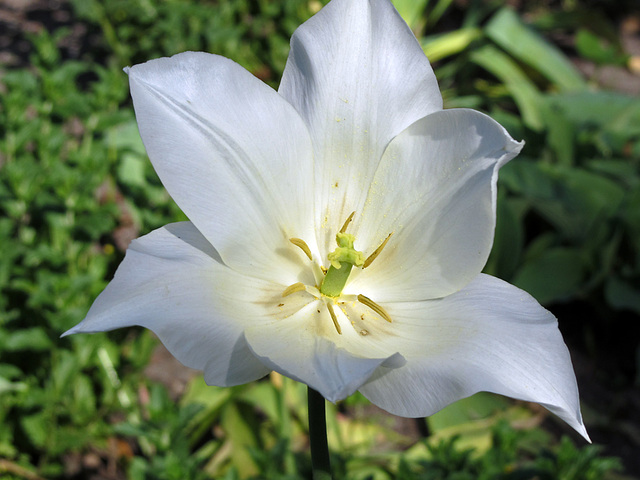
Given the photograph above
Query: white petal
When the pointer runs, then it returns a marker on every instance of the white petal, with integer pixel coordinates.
(435, 190)
(231, 152)
(173, 282)
(295, 347)
(358, 76)
(490, 336)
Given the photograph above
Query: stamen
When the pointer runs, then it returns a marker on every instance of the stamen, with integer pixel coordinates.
(334, 318)
(298, 242)
(296, 287)
(376, 252)
(347, 222)
(375, 307)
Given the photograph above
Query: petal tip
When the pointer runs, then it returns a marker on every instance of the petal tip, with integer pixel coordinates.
(73, 330)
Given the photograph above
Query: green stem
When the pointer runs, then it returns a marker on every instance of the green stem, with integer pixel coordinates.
(320, 463)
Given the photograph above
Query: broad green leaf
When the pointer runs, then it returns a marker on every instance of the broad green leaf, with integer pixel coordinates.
(622, 295)
(622, 171)
(506, 29)
(556, 274)
(524, 92)
(508, 242)
(480, 405)
(438, 10)
(34, 339)
(412, 11)
(611, 111)
(575, 201)
(35, 426)
(442, 46)
(241, 428)
(214, 400)
(560, 135)
(9, 386)
(528, 179)
(597, 49)
(84, 399)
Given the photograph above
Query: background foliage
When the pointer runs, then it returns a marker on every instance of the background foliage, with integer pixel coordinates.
(76, 187)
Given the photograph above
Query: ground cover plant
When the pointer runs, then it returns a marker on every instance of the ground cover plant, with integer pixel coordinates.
(76, 187)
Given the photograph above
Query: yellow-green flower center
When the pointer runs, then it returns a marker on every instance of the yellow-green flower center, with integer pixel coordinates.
(341, 260)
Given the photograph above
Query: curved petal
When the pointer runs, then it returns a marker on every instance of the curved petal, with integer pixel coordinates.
(358, 76)
(296, 347)
(435, 190)
(490, 336)
(231, 152)
(173, 282)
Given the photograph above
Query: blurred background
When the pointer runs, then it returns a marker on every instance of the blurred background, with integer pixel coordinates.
(76, 188)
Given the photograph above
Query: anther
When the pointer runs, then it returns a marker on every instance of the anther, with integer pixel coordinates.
(334, 318)
(375, 307)
(298, 242)
(296, 287)
(347, 222)
(376, 252)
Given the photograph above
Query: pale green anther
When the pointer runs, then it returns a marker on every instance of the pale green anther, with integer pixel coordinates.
(342, 259)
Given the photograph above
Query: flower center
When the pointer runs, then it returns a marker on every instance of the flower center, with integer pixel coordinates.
(341, 260)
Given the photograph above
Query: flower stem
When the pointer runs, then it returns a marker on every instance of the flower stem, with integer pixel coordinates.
(320, 463)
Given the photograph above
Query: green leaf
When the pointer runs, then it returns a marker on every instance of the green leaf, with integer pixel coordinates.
(35, 426)
(575, 201)
(560, 135)
(8, 386)
(621, 295)
(611, 111)
(508, 242)
(480, 405)
(506, 29)
(554, 275)
(34, 339)
(241, 428)
(84, 405)
(596, 49)
(524, 92)
(412, 11)
(445, 45)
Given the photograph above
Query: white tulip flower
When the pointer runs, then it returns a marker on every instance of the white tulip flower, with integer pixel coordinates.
(353, 149)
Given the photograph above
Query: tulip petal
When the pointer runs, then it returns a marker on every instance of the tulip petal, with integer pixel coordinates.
(173, 282)
(292, 347)
(358, 76)
(490, 336)
(225, 145)
(435, 190)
